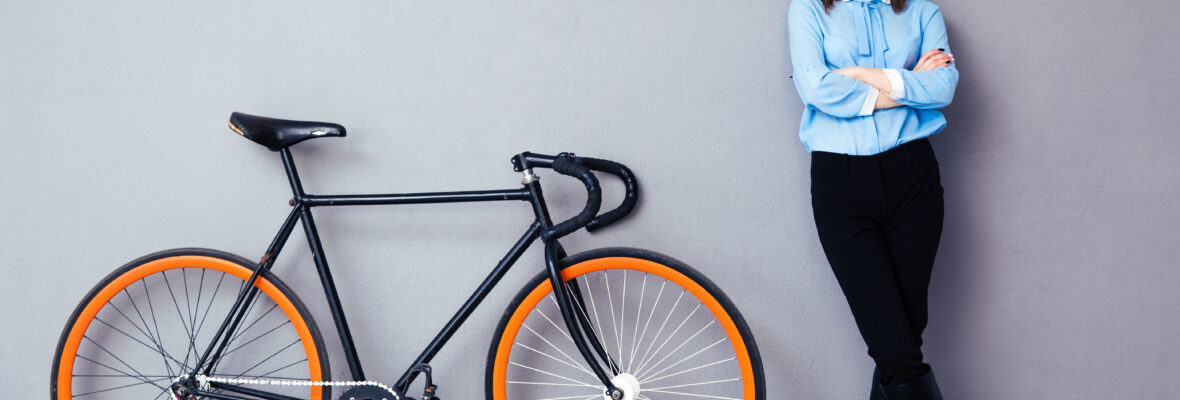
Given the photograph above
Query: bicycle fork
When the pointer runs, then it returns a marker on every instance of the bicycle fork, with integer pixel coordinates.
(577, 322)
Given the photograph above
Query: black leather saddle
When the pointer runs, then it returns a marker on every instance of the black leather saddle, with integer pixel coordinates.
(277, 134)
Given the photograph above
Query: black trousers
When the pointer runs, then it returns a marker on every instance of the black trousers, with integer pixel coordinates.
(879, 219)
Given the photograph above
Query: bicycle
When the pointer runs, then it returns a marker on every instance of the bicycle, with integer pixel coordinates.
(551, 343)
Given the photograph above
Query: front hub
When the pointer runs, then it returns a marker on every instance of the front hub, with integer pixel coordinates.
(628, 383)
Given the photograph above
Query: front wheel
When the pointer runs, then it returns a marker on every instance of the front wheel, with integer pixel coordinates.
(669, 332)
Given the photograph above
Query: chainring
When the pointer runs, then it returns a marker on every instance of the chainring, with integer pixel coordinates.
(368, 392)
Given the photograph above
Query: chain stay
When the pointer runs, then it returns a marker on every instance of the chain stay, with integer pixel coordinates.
(204, 382)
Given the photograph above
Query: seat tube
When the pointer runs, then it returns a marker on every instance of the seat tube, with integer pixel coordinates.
(292, 174)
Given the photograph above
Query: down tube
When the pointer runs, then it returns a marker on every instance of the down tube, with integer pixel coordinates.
(472, 302)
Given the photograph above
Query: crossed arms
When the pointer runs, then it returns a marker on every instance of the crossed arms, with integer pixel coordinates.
(856, 91)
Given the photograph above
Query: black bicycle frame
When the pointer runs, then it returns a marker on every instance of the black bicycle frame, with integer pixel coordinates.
(302, 204)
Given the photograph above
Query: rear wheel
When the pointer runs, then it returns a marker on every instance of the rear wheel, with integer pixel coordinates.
(146, 324)
(671, 333)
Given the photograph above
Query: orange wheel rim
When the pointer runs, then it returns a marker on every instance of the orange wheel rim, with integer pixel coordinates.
(70, 348)
(504, 346)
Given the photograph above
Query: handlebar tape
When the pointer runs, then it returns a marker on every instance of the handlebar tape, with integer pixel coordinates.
(629, 199)
(593, 199)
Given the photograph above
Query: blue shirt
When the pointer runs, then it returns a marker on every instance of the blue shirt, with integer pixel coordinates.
(837, 114)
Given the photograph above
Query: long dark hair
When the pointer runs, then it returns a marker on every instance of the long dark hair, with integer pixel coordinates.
(898, 5)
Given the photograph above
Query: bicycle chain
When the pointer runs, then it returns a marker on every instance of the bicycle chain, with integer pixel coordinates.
(203, 381)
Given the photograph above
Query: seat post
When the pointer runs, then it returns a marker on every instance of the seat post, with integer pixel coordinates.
(292, 174)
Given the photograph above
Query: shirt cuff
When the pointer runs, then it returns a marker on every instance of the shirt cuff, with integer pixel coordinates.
(895, 81)
(870, 102)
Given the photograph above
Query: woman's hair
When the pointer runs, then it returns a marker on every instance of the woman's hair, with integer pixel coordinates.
(898, 5)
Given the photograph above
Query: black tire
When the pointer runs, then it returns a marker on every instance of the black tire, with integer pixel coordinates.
(694, 275)
(325, 369)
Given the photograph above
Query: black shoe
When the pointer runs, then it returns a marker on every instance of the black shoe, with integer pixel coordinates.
(921, 388)
(875, 390)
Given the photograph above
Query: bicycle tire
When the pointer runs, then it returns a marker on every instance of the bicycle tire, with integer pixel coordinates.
(509, 344)
(181, 265)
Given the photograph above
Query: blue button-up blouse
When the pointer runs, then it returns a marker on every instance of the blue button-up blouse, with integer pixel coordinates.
(838, 115)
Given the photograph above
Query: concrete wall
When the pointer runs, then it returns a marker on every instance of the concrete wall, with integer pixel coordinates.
(1056, 279)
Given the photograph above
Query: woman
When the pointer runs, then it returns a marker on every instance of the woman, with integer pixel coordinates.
(870, 103)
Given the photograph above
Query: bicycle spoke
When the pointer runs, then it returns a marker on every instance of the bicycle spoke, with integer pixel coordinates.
(158, 347)
(120, 387)
(656, 338)
(137, 328)
(567, 356)
(166, 355)
(188, 304)
(649, 315)
(611, 303)
(692, 394)
(211, 299)
(563, 333)
(192, 346)
(267, 359)
(622, 315)
(596, 332)
(580, 396)
(104, 349)
(192, 313)
(670, 336)
(216, 361)
(635, 332)
(695, 384)
(690, 370)
(686, 341)
(117, 376)
(152, 310)
(553, 374)
(245, 316)
(597, 320)
(682, 360)
(672, 358)
(559, 329)
(267, 375)
(200, 291)
(137, 377)
(122, 349)
(285, 323)
(598, 324)
(546, 383)
(556, 359)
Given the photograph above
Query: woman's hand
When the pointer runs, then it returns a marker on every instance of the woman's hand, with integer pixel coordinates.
(934, 59)
(876, 77)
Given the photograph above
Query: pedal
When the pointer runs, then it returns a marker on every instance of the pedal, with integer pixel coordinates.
(428, 393)
(430, 390)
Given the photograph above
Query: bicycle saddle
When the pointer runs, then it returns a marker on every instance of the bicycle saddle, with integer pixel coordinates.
(277, 134)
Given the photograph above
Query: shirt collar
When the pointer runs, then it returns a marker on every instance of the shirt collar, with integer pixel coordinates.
(884, 1)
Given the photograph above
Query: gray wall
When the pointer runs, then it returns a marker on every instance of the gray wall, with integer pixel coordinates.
(1057, 277)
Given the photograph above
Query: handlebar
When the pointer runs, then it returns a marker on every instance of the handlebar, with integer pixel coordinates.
(593, 199)
(581, 167)
(629, 199)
